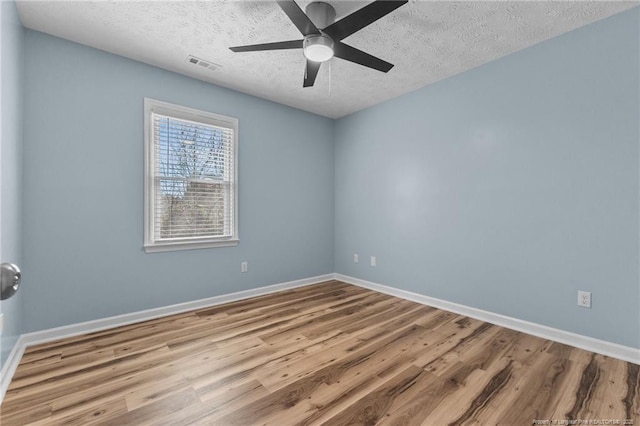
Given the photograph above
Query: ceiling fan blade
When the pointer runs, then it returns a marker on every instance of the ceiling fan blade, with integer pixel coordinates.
(348, 53)
(278, 45)
(311, 73)
(298, 17)
(361, 18)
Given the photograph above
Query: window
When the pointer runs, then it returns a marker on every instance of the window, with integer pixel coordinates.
(190, 178)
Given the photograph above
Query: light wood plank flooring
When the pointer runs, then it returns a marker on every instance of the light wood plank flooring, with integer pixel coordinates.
(331, 354)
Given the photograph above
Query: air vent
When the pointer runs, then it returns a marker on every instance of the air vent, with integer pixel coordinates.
(204, 64)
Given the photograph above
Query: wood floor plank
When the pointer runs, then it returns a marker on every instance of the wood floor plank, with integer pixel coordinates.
(150, 414)
(533, 394)
(87, 415)
(468, 396)
(25, 414)
(430, 391)
(353, 377)
(375, 406)
(111, 336)
(344, 353)
(608, 398)
(631, 399)
(326, 354)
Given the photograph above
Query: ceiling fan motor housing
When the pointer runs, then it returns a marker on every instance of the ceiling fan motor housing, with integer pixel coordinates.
(319, 47)
(321, 14)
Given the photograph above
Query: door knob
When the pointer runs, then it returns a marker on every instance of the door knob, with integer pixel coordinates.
(10, 277)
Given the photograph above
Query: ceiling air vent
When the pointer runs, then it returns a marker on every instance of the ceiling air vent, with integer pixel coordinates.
(204, 64)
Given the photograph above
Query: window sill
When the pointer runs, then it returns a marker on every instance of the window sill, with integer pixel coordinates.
(187, 245)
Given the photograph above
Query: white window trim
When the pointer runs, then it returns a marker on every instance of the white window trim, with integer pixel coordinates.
(159, 107)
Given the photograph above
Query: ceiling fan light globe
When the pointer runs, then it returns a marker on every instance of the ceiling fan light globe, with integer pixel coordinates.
(318, 53)
(318, 48)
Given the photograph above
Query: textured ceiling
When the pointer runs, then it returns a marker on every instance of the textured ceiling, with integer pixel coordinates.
(426, 40)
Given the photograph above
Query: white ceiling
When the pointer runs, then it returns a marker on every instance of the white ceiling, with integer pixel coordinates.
(426, 40)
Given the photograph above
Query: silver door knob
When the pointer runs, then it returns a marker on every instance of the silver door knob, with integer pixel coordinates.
(10, 276)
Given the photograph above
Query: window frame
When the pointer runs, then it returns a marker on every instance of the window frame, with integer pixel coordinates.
(151, 243)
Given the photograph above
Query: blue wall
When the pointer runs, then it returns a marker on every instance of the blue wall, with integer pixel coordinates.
(508, 187)
(11, 89)
(83, 189)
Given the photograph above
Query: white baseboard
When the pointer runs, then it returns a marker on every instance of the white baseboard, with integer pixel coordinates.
(44, 336)
(603, 347)
(10, 366)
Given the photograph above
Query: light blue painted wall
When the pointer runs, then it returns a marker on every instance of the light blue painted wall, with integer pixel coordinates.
(83, 189)
(508, 187)
(11, 89)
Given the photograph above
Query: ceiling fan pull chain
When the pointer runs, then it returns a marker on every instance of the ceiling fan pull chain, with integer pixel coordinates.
(330, 78)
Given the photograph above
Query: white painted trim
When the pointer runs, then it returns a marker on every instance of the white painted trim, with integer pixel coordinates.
(603, 347)
(44, 336)
(158, 247)
(151, 243)
(624, 353)
(51, 334)
(10, 366)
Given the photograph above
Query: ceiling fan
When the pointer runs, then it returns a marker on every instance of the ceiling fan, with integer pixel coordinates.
(323, 40)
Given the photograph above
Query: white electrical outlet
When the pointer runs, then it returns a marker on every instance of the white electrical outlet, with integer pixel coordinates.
(584, 299)
(244, 266)
(373, 261)
(356, 258)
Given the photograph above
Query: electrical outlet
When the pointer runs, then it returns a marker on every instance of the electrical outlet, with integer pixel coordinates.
(244, 266)
(356, 258)
(584, 299)
(373, 261)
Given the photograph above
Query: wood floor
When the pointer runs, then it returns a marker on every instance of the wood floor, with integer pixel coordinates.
(331, 354)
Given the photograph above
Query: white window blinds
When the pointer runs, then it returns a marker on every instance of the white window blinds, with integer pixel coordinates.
(192, 190)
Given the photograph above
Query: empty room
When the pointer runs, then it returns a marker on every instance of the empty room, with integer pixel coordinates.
(319, 212)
